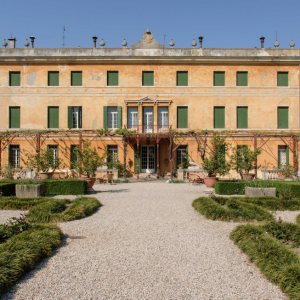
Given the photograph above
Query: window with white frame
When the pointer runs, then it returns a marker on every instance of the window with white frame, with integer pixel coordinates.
(112, 118)
(132, 121)
(163, 117)
(54, 148)
(181, 155)
(112, 152)
(75, 117)
(15, 156)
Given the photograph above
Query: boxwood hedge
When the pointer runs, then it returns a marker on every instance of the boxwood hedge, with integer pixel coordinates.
(238, 187)
(52, 187)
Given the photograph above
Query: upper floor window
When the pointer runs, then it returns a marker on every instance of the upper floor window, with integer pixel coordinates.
(132, 118)
(242, 117)
(242, 78)
(14, 78)
(76, 78)
(112, 78)
(282, 78)
(14, 117)
(182, 117)
(163, 117)
(219, 117)
(219, 78)
(283, 117)
(53, 78)
(112, 117)
(182, 78)
(53, 116)
(74, 116)
(148, 78)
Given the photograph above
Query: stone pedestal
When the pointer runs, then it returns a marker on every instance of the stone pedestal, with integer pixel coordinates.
(30, 190)
(180, 174)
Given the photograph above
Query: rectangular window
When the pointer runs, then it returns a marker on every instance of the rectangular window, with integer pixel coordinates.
(182, 117)
(132, 118)
(73, 156)
(74, 116)
(219, 78)
(219, 117)
(182, 78)
(163, 117)
(242, 78)
(242, 117)
(53, 78)
(148, 78)
(282, 78)
(283, 117)
(14, 155)
(76, 78)
(53, 115)
(112, 78)
(283, 156)
(112, 152)
(181, 155)
(14, 117)
(112, 118)
(14, 78)
(148, 119)
(54, 148)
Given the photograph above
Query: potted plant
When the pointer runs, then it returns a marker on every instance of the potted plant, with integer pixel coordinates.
(44, 161)
(29, 188)
(287, 171)
(243, 160)
(87, 162)
(216, 163)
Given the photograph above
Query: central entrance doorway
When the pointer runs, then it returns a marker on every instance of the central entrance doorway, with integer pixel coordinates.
(148, 159)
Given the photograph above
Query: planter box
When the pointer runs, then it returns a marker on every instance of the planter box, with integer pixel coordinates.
(260, 192)
(29, 191)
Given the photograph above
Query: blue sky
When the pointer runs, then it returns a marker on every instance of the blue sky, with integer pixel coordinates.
(222, 23)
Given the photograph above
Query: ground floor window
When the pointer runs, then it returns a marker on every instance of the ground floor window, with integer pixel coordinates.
(181, 155)
(14, 154)
(73, 156)
(112, 154)
(54, 148)
(283, 155)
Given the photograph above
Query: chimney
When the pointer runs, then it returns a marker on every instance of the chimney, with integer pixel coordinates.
(32, 41)
(262, 40)
(95, 40)
(200, 41)
(12, 43)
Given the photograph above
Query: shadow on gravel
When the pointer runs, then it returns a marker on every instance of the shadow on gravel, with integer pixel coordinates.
(115, 191)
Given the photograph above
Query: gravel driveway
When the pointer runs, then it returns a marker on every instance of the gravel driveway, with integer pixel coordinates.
(146, 242)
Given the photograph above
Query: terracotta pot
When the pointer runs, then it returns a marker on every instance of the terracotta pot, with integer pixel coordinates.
(90, 181)
(248, 176)
(45, 175)
(210, 181)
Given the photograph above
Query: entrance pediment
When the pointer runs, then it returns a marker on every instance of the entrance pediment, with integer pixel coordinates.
(147, 100)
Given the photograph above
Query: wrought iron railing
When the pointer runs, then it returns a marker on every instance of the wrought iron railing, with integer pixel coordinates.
(149, 128)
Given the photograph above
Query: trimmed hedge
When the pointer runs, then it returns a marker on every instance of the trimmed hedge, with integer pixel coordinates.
(52, 187)
(14, 202)
(20, 253)
(238, 187)
(227, 209)
(275, 260)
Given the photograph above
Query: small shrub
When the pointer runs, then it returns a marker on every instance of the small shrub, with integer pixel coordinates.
(121, 181)
(176, 181)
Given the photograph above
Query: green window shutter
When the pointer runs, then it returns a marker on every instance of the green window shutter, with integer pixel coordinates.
(76, 78)
(135, 158)
(155, 159)
(148, 78)
(9, 155)
(53, 78)
(219, 117)
(14, 117)
(105, 124)
(71, 155)
(70, 117)
(112, 78)
(287, 155)
(14, 78)
(219, 78)
(283, 79)
(182, 78)
(187, 152)
(283, 117)
(79, 116)
(182, 117)
(119, 109)
(53, 117)
(242, 117)
(242, 78)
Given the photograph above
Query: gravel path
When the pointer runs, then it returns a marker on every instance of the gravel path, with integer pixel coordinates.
(287, 216)
(146, 242)
(5, 215)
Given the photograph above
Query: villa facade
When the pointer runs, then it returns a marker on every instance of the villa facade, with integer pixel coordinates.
(150, 89)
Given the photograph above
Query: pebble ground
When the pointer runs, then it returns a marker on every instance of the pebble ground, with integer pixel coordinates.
(146, 242)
